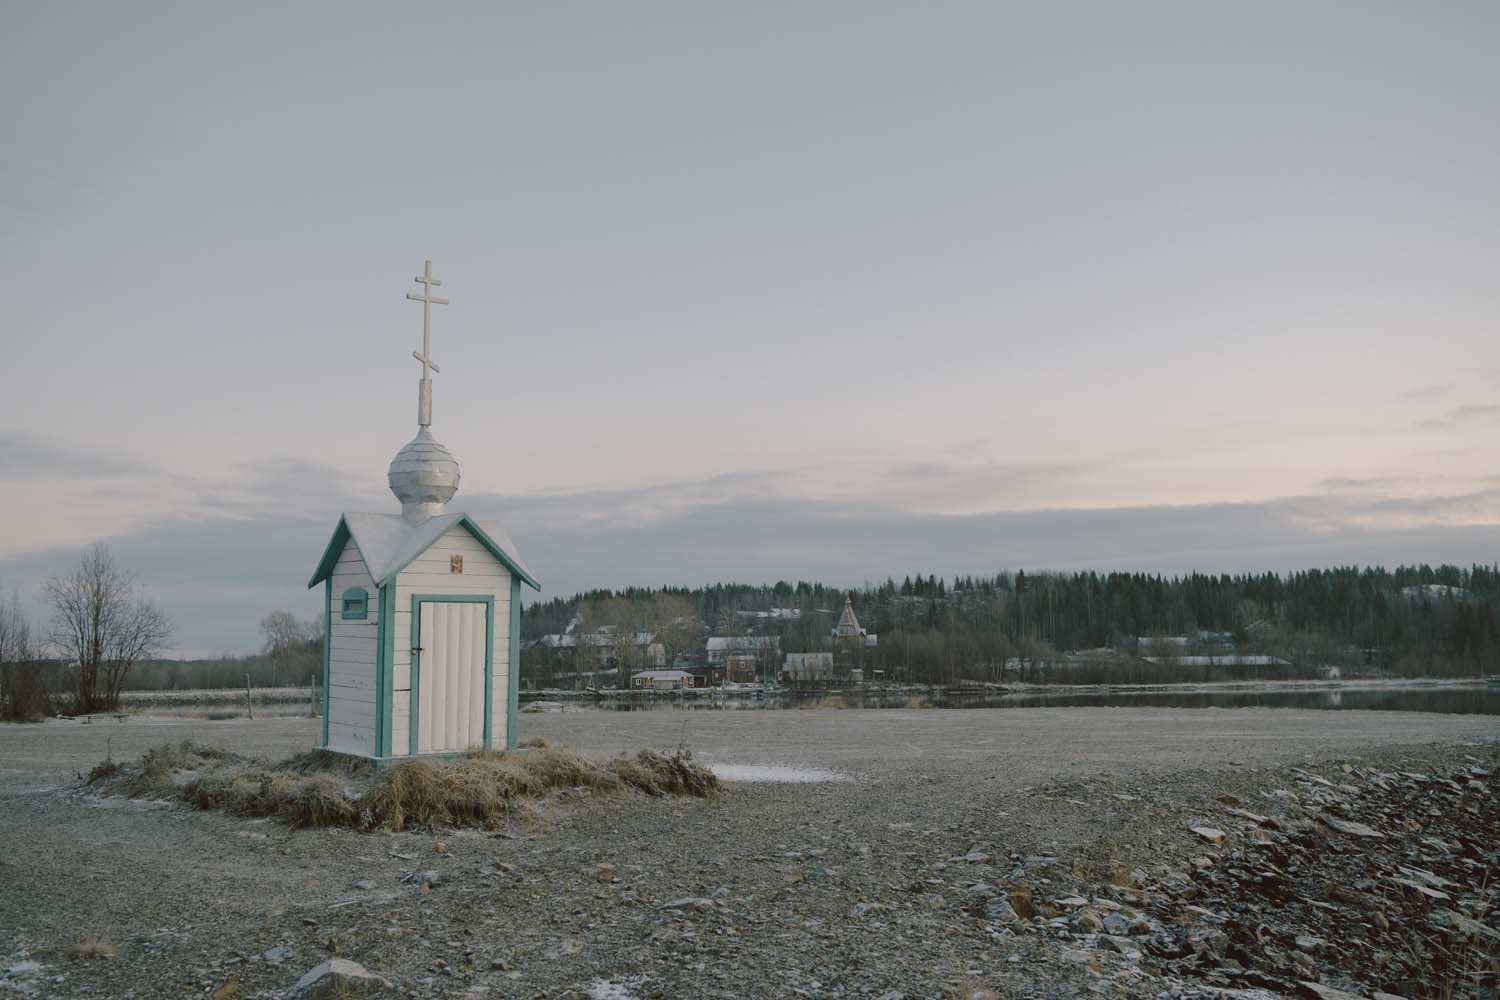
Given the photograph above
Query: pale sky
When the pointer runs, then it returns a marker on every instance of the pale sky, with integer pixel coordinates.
(829, 291)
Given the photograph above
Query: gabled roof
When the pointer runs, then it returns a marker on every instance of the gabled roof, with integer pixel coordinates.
(388, 543)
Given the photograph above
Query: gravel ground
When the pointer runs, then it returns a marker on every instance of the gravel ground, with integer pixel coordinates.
(857, 888)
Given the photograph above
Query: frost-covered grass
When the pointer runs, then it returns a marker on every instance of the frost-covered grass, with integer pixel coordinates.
(318, 789)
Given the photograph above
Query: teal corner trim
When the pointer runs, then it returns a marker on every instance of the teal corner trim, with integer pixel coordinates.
(489, 670)
(327, 653)
(354, 604)
(513, 675)
(414, 704)
(380, 627)
(385, 655)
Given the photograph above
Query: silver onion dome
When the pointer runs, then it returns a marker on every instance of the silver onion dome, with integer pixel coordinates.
(424, 477)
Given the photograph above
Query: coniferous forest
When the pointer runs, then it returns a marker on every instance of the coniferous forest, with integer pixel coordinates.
(1091, 627)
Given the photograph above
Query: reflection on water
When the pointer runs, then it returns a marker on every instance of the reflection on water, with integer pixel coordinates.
(1472, 700)
(1453, 701)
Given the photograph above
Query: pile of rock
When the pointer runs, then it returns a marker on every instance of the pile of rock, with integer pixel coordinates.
(1362, 883)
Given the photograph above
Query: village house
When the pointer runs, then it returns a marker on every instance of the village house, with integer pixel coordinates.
(802, 668)
(603, 646)
(661, 680)
(744, 658)
(706, 676)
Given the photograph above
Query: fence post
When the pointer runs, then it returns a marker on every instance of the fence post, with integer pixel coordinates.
(249, 705)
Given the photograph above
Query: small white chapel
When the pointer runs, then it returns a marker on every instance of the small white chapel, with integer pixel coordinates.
(421, 651)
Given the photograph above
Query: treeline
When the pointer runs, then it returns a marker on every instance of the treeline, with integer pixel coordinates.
(262, 669)
(1411, 620)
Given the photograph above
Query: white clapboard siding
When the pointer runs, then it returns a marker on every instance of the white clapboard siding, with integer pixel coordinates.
(352, 738)
(429, 574)
(350, 675)
(362, 646)
(351, 666)
(400, 723)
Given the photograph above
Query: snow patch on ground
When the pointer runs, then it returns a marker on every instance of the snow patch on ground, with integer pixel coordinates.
(778, 775)
(607, 989)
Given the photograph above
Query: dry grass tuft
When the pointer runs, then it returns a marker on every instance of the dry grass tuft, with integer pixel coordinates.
(102, 771)
(319, 761)
(482, 788)
(318, 789)
(535, 743)
(91, 947)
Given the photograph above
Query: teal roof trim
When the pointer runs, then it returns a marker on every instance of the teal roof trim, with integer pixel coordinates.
(331, 554)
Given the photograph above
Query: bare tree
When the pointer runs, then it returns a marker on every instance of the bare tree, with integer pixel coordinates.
(291, 644)
(23, 693)
(101, 622)
(675, 624)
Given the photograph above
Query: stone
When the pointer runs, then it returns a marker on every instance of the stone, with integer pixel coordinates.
(1416, 886)
(1209, 942)
(364, 885)
(1352, 828)
(1211, 834)
(1467, 927)
(1255, 818)
(1001, 912)
(1088, 922)
(337, 977)
(1317, 991)
(862, 908)
(699, 904)
(1116, 924)
(1124, 946)
(277, 955)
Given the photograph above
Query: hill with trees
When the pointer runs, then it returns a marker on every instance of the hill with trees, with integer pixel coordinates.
(1409, 621)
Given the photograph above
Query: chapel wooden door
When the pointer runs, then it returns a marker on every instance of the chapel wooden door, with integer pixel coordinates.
(452, 664)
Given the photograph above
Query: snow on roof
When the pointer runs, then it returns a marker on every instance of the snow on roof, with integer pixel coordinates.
(722, 642)
(663, 675)
(1227, 660)
(389, 542)
(601, 637)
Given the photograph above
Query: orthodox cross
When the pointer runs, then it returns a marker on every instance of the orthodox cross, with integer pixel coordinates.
(428, 300)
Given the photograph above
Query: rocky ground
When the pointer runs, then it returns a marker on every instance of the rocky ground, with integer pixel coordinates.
(1039, 853)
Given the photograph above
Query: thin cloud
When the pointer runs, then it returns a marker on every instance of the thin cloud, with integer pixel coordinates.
(1428, 392)
(25, 456)
(1340, 484)
(1460, 414)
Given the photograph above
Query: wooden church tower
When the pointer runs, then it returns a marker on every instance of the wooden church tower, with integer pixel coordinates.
(421, 650)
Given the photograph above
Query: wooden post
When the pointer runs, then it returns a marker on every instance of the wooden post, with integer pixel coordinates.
(249, 705)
